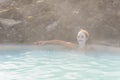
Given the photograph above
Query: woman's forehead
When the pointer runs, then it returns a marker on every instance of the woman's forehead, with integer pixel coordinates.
(81, 33)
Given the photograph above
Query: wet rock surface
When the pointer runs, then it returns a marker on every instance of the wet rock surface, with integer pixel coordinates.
(32, 20)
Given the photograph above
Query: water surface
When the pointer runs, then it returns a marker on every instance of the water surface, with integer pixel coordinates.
(36, 64)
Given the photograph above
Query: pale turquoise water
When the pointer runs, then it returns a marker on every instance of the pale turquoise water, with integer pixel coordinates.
(28, 64)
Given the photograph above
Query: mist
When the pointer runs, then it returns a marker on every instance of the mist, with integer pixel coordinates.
(27, 21)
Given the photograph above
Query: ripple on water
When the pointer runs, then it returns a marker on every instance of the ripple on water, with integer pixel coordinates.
(53, 65)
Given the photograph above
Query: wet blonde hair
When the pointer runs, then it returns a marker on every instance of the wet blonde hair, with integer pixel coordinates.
(86, 32)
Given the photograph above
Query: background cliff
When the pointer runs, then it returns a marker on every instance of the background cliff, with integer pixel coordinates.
(27, 21)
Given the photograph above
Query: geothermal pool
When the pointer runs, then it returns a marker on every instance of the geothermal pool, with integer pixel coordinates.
(30, 63)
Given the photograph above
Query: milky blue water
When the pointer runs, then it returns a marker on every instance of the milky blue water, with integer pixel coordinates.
(31, 64)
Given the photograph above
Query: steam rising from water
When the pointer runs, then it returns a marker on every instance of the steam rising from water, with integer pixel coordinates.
(32, 20)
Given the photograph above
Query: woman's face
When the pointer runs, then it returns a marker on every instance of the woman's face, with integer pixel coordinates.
(81, 38)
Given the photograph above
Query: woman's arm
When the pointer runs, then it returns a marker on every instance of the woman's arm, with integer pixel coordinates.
(56, 42)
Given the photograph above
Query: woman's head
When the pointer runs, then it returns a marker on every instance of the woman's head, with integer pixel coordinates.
(82, 37)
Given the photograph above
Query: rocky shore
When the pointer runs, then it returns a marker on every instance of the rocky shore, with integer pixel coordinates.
(27, 21)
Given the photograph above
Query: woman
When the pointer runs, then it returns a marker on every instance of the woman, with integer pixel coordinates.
(82, 39)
